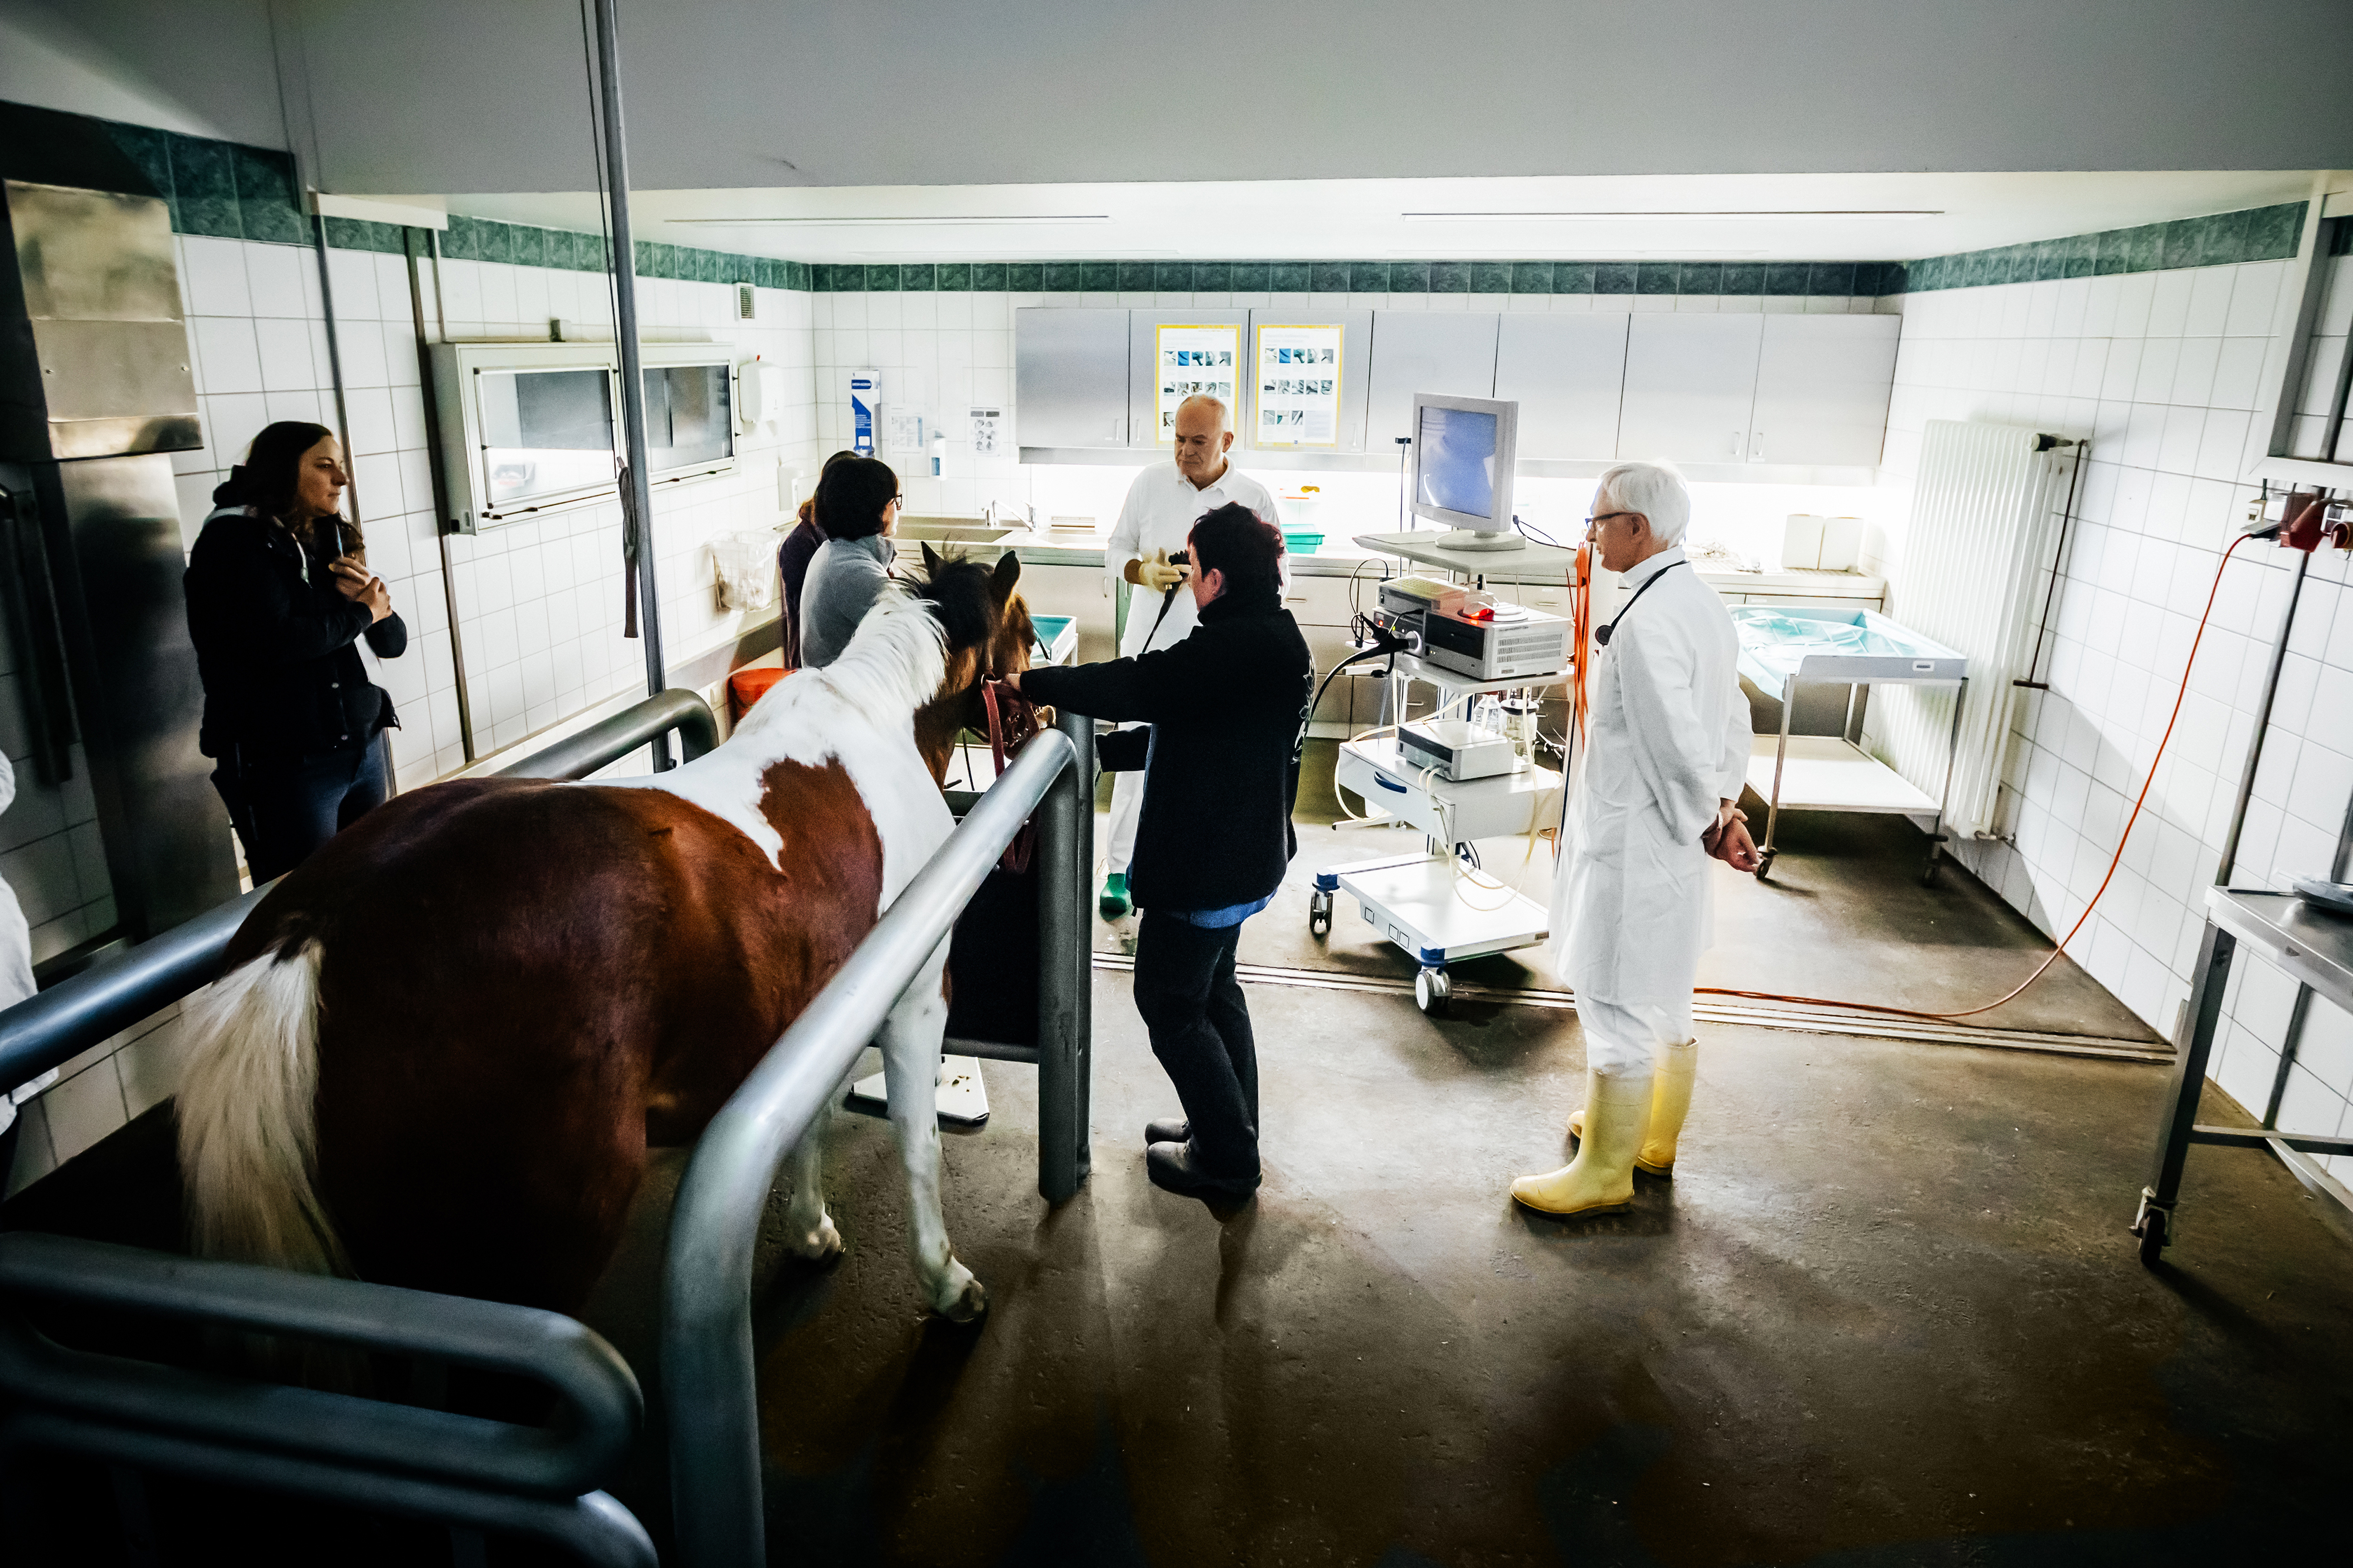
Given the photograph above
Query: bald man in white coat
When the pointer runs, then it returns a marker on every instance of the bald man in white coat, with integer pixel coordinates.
(1667, 747)
(1158, 517)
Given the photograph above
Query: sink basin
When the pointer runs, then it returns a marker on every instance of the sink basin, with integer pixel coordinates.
(950, 530)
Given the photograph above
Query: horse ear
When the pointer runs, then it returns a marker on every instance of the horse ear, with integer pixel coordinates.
(930, 559)
(1008, 573)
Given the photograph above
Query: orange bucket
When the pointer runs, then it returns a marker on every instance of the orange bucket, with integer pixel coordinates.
(747, 686)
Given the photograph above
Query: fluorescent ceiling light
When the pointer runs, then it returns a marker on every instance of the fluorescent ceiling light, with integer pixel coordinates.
(1848, 217)
(949, 220)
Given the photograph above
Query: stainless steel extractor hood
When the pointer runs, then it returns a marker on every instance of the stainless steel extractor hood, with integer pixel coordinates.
(95, 391)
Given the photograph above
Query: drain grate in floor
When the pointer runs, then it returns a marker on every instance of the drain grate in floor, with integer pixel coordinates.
(1758, 1015)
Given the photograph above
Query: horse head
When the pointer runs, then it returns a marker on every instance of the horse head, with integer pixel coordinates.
(988, 634)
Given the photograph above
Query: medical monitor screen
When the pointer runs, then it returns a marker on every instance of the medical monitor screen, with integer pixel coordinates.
(1457, 449)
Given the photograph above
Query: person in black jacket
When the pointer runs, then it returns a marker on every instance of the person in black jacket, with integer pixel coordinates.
(280, 594)
(1225, 709)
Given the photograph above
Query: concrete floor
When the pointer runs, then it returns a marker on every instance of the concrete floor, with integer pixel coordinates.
(1886, 1312)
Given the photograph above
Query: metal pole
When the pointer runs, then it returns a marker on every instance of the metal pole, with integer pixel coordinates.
(707, 1373)
(1065, 964)
(636, 502)
(2262, 722)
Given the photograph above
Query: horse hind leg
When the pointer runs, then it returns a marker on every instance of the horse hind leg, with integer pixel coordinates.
(809, 1232)
(911, 1039)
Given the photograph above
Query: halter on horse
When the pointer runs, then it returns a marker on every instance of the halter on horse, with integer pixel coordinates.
(444, 1043)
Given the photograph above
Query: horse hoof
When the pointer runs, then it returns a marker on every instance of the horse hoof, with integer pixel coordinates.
(971, 1304)
(818, 1245)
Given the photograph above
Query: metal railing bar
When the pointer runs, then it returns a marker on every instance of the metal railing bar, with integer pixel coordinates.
(707, 1378)
(593, 1528)
(53, 1027)
(992, 1050)
(602, 1408)
(576, 756)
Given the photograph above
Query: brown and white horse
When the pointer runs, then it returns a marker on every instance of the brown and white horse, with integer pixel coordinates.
(444, 1043)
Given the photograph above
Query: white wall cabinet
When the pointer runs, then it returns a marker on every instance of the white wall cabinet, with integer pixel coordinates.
(1069, 377)
(1566, 373)
(1145, 371)
(1822, 384)
(1711, 391)
(1691, 384)
(1447, 351)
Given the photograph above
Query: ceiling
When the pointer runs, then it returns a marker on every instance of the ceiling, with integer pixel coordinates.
(1824, 218)
(1240, 128)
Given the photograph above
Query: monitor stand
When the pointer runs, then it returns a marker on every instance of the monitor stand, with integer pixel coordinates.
(1481, 539)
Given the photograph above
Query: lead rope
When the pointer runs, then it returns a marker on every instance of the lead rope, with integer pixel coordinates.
(1012, 724)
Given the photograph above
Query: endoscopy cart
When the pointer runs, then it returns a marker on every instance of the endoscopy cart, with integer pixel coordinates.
(1416, 900)
(1784, 646)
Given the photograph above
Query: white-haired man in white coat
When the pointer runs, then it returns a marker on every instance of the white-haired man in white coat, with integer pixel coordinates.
(1667, 747)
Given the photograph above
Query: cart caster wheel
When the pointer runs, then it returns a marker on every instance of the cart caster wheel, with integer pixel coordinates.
(1431, 989)
(1765, 866)
(2153, 1238)
(1319, 914)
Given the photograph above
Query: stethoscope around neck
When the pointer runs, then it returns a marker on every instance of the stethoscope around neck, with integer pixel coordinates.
(1602, 634)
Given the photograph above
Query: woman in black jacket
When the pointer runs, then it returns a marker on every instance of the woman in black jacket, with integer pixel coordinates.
(279, 595)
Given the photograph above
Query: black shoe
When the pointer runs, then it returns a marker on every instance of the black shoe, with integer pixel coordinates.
(1168, 1130)
(1174, 1168)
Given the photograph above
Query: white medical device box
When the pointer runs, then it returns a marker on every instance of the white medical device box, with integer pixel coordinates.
(1499, 642)
(1459, 750)
(1812, 543)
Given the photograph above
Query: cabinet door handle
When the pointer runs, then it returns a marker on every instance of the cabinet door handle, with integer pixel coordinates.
(1757, 447)
(1736, 443)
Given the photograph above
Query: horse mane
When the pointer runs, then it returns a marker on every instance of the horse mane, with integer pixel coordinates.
(895, 660)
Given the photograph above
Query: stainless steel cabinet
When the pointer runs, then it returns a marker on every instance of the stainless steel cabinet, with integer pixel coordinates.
(1451, 352)
(1690, 385)
(1355, 373)
(1822, 384)
(1566, 373)
(1069, 377)
(1145, 372)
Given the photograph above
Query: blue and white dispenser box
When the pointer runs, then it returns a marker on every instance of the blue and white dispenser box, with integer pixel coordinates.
(865, 410)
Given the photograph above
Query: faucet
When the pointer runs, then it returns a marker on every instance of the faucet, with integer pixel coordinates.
(994, 516)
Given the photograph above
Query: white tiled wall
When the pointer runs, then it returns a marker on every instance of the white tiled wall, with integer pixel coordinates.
(2167, 374)
(539, 603)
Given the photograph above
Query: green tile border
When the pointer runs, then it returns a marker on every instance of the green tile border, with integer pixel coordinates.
(234, 191)
(2216, 239)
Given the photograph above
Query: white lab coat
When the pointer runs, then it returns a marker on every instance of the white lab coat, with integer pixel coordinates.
(1666, 739)
(16, 968)
(1161, 508)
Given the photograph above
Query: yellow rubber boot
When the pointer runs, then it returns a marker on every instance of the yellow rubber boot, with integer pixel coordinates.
(1617, 1111)
(1670, 1092)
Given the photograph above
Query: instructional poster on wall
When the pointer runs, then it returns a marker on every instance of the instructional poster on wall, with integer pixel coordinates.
(1193, 360)
(1298, 386)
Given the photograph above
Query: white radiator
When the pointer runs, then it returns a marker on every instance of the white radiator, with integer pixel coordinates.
(1986, 507)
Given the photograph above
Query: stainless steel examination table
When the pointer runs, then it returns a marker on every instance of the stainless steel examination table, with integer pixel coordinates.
(2313, 946)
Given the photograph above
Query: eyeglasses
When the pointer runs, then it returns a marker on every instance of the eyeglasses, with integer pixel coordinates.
(1605, 516)
(899, 500)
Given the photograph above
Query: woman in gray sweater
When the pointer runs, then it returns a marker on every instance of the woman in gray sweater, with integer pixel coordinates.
(858, 508)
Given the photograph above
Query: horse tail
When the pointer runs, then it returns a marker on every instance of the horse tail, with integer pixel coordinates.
(249, 1117)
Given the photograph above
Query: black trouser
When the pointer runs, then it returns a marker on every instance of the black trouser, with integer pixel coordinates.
(285, 808)
(1184, 987)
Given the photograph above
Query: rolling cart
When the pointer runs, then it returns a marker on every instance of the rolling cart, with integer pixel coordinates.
(1416, 900)
(2314, 945)
(1784, 646)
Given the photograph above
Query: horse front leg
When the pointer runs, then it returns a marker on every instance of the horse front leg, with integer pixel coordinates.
(809, 1232)
(911, 1041)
